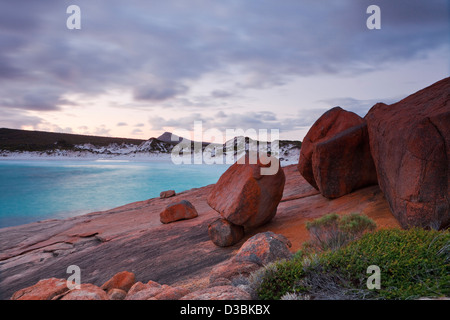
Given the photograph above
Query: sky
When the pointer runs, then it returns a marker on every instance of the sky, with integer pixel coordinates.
(138, 68)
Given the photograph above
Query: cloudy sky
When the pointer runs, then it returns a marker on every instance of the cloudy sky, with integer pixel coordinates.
(139, 68)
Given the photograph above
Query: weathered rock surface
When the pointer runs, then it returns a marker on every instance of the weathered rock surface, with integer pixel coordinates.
(45, 289)
(332, 122)
(132, 238)
(343, 163)
(172, 293)
(410, 144)
(223, 233)
(244, 196)
(87, 291)
(116, 294)
(218, 293)
(231, 270)
(139, 286)
(335, 156)
(264, 248)
(146, 293)
(178, 211)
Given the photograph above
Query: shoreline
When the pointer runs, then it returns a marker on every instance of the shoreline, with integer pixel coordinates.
(113, 160)
(32, 156)
(152, 250)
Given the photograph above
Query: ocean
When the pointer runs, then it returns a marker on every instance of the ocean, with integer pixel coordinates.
(34, 190)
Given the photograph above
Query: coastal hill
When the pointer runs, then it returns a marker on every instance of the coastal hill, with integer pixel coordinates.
(24, 144)
(26, 140)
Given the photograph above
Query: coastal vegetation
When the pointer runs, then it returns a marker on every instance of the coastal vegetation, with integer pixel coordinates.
(413, 263)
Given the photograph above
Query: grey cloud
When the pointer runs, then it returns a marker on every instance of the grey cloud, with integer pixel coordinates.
(124, 44)
(102, 131)
(248, 120)
(137, 131)
(159, 92)
(122, 124)
(17, 119)
(187, 123)
(221, 94)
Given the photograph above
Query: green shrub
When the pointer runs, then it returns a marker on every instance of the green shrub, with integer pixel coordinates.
(276, 279)
(414, 263)
(332, 231)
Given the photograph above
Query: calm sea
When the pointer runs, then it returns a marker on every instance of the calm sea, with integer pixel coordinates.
(36, 190)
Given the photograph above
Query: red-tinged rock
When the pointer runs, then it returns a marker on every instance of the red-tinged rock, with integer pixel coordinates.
(331, 123)
(123, 280)
(172, 293)
(167, 194)
(410, 145)
(145, 294)
(86, 291)
(116, 294)
(178, 211)
(224, 233)
(343, 163)
(218, 293)
(246, 196)
(139, 286)
(264, 248)
(230, 270)
(335, 156)
(45, 289)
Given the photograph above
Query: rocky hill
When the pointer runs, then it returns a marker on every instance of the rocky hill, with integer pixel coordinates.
(23, 144)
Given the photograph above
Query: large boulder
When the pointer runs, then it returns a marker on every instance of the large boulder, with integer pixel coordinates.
(178, 211)
(244, 195)
(410, 145)
(335, 156)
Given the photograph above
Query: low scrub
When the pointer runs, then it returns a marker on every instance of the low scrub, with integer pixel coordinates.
(413, 263)
(333, 231)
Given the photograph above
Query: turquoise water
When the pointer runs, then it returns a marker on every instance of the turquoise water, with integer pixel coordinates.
(37, 190)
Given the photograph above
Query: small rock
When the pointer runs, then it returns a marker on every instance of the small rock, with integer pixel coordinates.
(224, 233)
(264, 248)
(123, 280)
(139, 286)
(116, 294)
(178, 211)
(167, 194)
